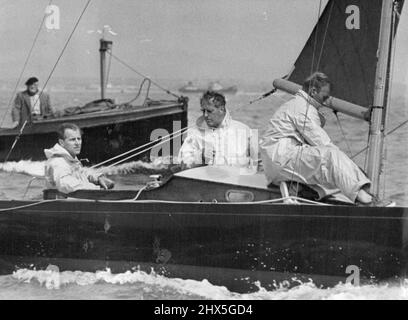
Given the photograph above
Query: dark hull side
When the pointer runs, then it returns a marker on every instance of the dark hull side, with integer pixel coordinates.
(231, 245)
(103, 137)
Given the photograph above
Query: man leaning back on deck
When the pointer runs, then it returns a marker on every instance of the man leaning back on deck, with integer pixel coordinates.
(63, 170)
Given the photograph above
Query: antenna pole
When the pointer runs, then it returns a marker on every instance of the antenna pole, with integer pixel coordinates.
(104, 46)
(377, 124)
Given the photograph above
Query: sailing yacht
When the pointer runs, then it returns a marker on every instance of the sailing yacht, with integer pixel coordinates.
(230, 228)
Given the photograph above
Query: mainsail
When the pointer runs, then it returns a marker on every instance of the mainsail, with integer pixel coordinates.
(344, 45)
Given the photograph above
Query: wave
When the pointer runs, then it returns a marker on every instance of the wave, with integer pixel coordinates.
(28, 167)
(152, 285)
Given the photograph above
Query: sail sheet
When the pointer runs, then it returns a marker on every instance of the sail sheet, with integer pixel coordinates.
(344, 46)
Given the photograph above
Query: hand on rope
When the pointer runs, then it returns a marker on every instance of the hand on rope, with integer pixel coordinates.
(105, 183)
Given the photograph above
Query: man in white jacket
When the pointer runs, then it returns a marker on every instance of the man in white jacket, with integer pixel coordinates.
(296, 148)
(63, 170)
(217, 139)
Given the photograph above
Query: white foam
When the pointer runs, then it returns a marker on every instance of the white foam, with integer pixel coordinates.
(204, 289)
(28, 167)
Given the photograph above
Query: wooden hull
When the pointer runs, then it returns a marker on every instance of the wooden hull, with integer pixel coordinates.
(106, 134)
(232, 245)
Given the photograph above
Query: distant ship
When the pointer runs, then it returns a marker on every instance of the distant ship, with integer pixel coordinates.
(190, 88)
(213, 86)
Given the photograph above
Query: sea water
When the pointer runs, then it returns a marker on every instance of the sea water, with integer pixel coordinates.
(350, 136)
(138, 285)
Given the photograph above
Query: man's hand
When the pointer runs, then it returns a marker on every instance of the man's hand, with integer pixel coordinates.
(105, 183)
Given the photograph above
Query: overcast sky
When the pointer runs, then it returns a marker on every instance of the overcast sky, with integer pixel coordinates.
(254, 40)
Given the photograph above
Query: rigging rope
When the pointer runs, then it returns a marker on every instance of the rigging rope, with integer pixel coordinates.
(142, 75)
(24, 67)
(140, 91)
(147, 149)
(390, 87)
(49, 76)
(65, 46)
(178, 132)
(386, 135)
(313, 58)
(300, 150)
(273, 201)
(315, 40)
(324, 37)
(15, 140)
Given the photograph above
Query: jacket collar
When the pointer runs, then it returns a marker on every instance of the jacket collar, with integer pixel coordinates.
(315, 104)
(58, 151)
(226, 122)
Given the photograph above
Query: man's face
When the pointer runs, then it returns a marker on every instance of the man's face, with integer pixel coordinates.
(322, 95)
(72, 142)
(33, 88)
(213, 116)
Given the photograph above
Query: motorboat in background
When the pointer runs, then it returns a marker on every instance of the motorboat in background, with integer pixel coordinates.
(212, 86)
(109, 129)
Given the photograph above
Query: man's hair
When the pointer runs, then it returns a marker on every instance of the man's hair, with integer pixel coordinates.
(317, 80)
(31, 81)
(64, 126)
(215, 98)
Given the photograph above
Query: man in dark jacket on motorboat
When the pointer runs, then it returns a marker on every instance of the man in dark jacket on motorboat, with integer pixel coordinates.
(30, 104)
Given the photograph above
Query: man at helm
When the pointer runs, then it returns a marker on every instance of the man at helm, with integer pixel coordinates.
(217, 139)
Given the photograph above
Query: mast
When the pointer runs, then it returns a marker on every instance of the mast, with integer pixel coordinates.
(104, 45)
(376, 134)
